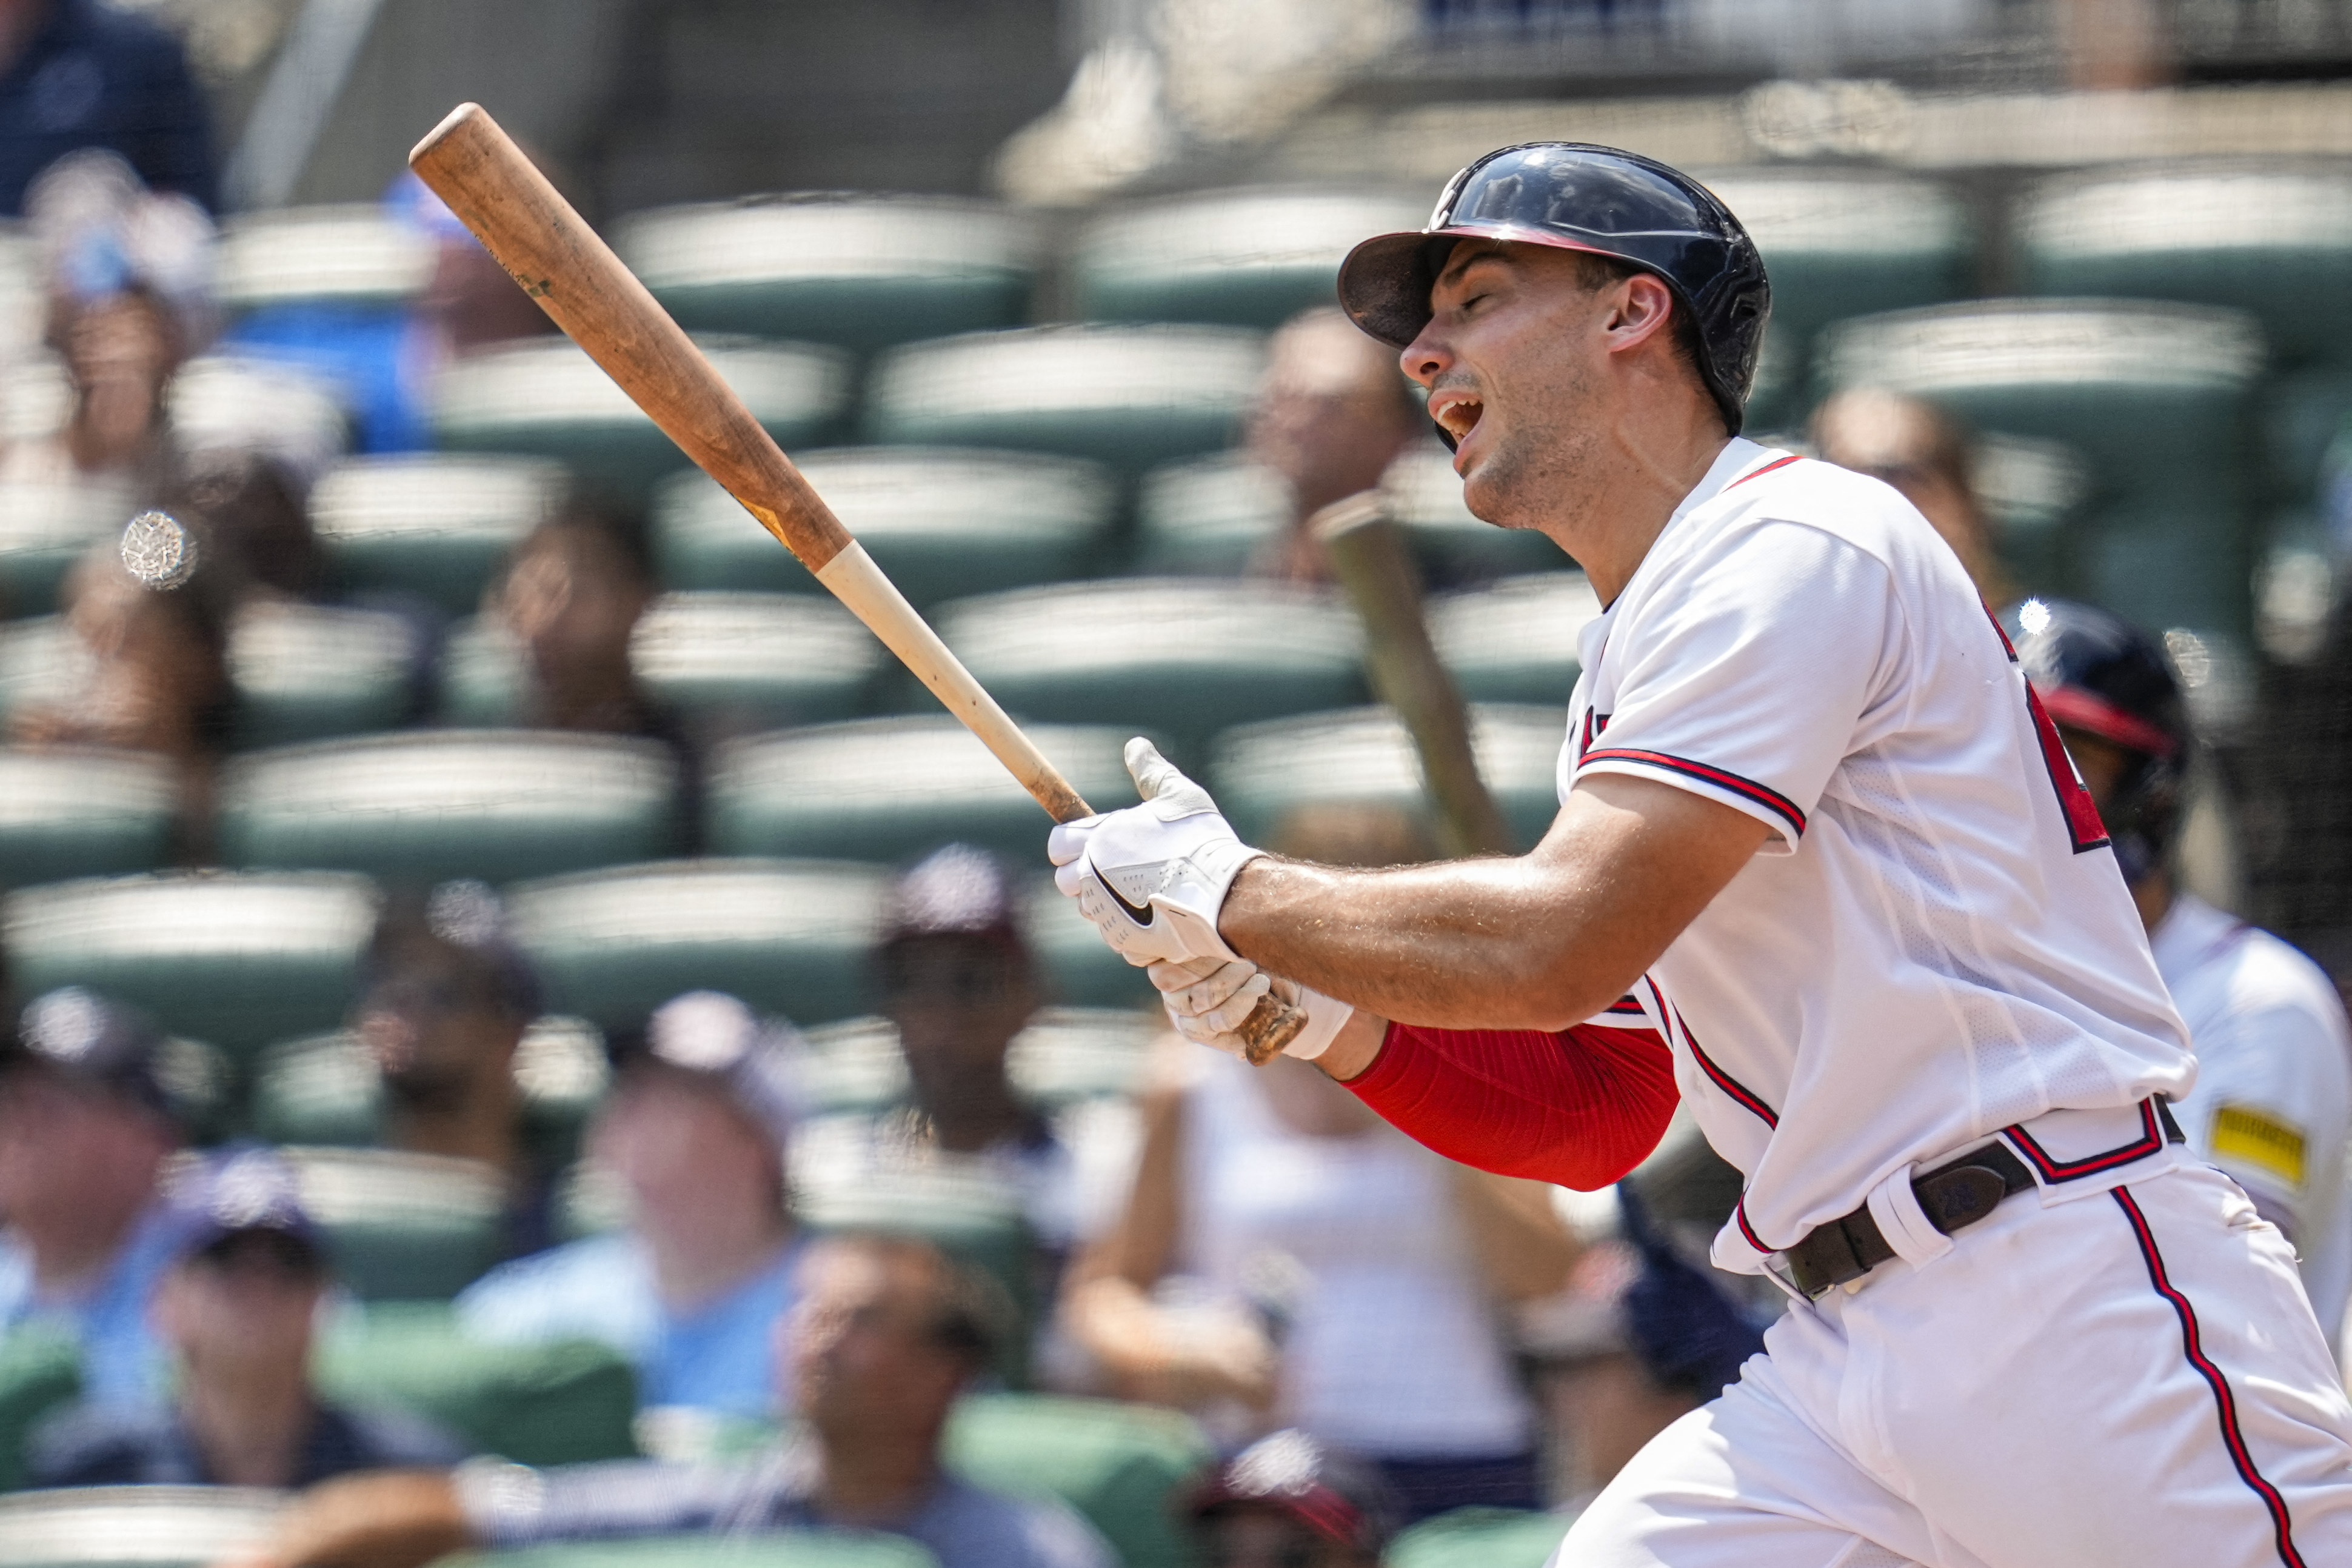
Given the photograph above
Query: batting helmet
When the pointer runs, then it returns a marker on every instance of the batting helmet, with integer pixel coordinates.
(1577, 196)
(2098, 673)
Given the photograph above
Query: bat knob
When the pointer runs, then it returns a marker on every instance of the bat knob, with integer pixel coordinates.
(1271, 1025)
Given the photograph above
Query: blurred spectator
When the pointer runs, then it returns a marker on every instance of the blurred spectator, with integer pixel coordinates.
(1923, 452)
(147, 666)
(885, 1334)
(249, 506)
(1289, 1501)
(695, 1131)
(86, 1124)
(1333, 411)
(128, 275)
(79, 73)
(238, 1309)
(571, 594)
(1244, 1283)
(383, 358)
(2272, 1104)
(447, 997)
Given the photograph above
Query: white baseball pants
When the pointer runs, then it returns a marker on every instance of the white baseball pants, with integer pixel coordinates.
(2130, 1377)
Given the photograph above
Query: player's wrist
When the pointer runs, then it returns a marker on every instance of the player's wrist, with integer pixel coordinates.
(1356, 1048)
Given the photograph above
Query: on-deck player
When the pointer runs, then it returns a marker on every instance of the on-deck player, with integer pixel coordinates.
(2273, 1104)
(1822, 864)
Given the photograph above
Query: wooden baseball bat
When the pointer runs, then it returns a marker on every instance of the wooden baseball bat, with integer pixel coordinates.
(1375, 566)
(558, 259)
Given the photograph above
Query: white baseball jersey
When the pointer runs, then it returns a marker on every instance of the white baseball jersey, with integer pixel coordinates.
(1933, 943)
(2273, 1104)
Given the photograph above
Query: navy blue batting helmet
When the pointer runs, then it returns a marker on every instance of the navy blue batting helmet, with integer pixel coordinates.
(1577, 196)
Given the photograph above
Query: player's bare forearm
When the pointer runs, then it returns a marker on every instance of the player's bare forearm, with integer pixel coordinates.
(1540, 941)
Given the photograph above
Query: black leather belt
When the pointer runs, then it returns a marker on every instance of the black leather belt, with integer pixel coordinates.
(1953, 1196)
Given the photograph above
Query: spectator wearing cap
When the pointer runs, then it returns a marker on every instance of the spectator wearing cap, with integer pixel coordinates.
(86, 1125)
(1290, 1502)
(446, 997)
(953, 972)
(79, 73)
(237, 1308)
(885, 1334)
(689, 1291)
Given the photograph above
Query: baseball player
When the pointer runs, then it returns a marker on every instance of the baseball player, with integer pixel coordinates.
(1822, 867)
(2273, 1104)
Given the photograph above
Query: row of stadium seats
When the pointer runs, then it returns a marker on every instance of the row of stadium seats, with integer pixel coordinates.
(867, 272)
(505, 806)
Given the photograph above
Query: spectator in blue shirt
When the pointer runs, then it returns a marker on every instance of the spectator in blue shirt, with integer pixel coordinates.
(888, 1333)
(86, 1125)
(77, 73)
(237, 1307)
(689, 1291)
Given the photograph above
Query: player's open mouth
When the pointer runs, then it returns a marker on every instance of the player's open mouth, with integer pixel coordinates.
(1457, 411)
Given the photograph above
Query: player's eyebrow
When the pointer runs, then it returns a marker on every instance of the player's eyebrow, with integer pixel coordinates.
(1459, 266)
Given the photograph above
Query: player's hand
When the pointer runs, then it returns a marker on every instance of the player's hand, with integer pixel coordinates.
(1153, 876)
(1207, 998)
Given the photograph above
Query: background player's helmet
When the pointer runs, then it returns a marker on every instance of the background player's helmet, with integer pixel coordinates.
(2099, 674)
(1578, 196)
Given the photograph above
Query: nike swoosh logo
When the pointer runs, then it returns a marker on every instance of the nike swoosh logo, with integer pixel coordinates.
(1140, 914)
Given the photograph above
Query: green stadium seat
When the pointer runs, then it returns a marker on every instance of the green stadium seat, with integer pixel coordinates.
(326, 1088)
(2153, 396)
(2297, 417)
(860, 271)
(1261, 772)
(891, 788)
(1080, 969)
(44, 528)
(2274, 241)
(755, 660)
(1123, 1466)
(781, 1549)
(226, 401)
(239, 960)
(788, 938)
(436, 525)
(1128, 396)
(1840, 243)
(1208, 516)
(84, 813)
(485, 683)
(420, 807)
(305, 672)
(1480, 1538)
(134, 1527)
(2034, 493)
(404, 1227)
(548, 398)
(1174, 657)
(1424, 495)
(1245, 258)
(1064, 1056)
(566, 1402)
(1515, 642)
(354, 255)
(40, 1371)
(939, 522)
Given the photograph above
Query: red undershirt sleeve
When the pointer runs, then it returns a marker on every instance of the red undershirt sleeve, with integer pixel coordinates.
(1578, 1108)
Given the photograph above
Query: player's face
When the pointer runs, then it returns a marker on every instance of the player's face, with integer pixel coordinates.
(1512, 357)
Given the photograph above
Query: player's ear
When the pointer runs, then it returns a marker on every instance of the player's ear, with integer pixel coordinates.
(1639, 309)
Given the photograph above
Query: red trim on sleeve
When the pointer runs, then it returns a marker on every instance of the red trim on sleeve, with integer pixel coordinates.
(1578, 1108)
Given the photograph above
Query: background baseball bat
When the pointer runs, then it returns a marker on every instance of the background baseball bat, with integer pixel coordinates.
(1375, 566)
(558, 259)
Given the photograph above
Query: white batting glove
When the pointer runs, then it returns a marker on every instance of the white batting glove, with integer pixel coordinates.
(1153, 876)
(1207, 998)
